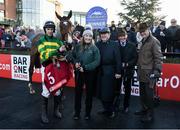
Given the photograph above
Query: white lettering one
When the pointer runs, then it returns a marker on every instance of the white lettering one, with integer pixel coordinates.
(174, 82)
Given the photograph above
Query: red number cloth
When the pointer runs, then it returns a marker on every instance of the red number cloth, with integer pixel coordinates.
(55, 77)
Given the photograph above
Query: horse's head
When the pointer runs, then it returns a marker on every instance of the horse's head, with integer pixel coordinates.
(65, 26)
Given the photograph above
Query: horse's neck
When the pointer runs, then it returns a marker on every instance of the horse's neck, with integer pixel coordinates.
(63, 37)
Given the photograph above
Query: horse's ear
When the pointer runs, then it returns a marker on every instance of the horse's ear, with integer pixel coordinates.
(70, 14)
(58, 16)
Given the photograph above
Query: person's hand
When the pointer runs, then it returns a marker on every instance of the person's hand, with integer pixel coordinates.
(62, 58)
(127, 64)
(77, 65)
(117, 76)
(81, 69)
(162, 34)
(123, 64)
(62, 48)
(75, 38)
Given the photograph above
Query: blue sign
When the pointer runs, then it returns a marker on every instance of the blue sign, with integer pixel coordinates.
(97, 17)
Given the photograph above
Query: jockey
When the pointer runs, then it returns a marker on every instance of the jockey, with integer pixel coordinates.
(49, 47)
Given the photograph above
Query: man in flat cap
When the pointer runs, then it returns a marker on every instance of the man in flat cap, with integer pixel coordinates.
(149, 68)
(108, 71)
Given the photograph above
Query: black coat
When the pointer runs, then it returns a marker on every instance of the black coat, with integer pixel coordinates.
(109, 66)
(114, 34)
(128, 55)
(177, 36)
(164, 40)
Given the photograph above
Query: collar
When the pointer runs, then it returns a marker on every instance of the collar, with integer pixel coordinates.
(106, 42)
(145, 40)
(123, 44)
(48, 37)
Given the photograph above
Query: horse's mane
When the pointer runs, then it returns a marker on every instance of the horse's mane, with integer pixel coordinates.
(34, 41)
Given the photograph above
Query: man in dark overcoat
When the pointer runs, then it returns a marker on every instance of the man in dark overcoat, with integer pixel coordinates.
(108, 71)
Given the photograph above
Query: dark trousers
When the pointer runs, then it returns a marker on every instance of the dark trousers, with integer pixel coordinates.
(127, 89)
(126, 80)
(81, 79)
(146, 96)
(170, 46)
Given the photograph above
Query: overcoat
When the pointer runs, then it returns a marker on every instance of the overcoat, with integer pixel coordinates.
(109, 66)
(149, 59)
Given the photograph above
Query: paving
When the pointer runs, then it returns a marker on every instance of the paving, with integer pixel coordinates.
(20, 110)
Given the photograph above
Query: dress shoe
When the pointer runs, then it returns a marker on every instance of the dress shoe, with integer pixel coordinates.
(111, 115)
(147, 119)
(126, 110)
(103, 112)
(87, 117)
(141, 112)
(76, 116)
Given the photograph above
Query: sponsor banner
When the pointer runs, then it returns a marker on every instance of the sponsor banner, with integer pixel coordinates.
(134, 90)
(169, 83)
(5, 65)
(16, 67)
(97, 17)
(134, 85)
(20, 66)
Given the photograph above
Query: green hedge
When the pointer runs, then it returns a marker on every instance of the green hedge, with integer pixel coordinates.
(172, 60)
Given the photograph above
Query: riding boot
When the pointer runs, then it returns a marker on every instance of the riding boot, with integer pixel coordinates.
(57, 101)
(44, 116)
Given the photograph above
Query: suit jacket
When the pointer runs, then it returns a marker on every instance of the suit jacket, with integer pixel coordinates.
(128, 55)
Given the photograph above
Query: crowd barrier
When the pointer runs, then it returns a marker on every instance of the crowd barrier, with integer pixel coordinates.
(16, 67)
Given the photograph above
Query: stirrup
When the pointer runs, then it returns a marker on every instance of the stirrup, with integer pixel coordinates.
(31, 90)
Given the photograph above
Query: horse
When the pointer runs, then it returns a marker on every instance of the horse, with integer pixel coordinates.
(65, 27)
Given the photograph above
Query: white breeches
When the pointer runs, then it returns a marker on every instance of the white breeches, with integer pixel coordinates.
(46, 93)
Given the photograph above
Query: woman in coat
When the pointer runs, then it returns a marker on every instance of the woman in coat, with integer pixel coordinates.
(86, 58)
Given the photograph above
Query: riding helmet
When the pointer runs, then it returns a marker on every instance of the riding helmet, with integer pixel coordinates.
(49, 24)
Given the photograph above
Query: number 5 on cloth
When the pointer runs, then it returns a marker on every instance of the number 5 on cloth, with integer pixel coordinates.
(56, 78)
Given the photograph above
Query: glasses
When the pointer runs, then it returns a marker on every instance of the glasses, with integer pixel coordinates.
(173, 22)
